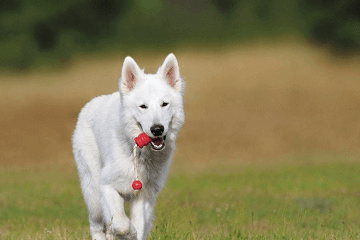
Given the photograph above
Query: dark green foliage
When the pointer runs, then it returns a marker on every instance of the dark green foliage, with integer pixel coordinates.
(88, 18)
(224, 6)
(334, 24)
(9, 5)
(46, 32)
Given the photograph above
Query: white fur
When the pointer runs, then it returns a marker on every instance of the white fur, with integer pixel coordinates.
(103, 144)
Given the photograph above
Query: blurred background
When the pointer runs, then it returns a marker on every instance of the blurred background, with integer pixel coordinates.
(35, 33)
(265, 79)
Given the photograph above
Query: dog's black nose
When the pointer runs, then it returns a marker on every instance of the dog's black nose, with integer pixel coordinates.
(157, 130)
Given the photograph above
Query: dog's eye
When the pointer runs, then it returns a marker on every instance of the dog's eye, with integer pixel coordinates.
(164, 104)
(143, 106)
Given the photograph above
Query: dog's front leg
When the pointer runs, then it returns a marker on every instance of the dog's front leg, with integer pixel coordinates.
(115, 218)
(142, 216)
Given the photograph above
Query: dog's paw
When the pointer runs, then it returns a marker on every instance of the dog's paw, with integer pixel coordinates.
(109, 235)
(124, 231)
(127, 236)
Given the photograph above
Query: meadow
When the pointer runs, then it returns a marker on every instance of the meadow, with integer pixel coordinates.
(269, 149)
(252, 202)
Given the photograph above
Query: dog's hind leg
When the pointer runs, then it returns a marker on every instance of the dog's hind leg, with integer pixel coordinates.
(91, 192)
(88, 165)
(90, 188)
(97, 225)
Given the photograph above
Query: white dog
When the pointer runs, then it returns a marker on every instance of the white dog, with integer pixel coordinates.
(103, 144)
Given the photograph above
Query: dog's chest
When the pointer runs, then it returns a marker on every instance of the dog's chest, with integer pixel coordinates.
(152, 169)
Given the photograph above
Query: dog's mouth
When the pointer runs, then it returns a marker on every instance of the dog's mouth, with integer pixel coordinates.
(158, 143)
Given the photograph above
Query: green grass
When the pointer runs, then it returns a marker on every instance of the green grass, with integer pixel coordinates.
(276, 201)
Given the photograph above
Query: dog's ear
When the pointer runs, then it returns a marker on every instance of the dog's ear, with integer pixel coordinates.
(171, 72)
(129, 75)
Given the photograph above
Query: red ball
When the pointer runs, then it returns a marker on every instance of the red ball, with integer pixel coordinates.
(137, 185)
(142, 140)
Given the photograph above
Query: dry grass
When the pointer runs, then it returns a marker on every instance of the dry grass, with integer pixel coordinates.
(247, 103)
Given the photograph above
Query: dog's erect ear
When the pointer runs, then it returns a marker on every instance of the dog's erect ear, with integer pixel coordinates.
(171, 72)
(129, 75)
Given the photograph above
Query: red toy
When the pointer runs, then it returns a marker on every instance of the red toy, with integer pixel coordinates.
(142, 140)
(137, 185)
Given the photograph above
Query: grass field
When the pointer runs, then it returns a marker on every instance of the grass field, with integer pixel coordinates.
(273, 201)
(269, 149)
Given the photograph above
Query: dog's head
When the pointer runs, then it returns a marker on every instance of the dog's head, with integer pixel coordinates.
(153, 103)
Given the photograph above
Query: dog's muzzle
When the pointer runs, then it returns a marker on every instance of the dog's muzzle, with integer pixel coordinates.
(158, 143)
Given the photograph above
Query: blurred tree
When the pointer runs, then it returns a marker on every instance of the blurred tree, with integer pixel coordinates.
(263, 10)
(89, 18)
(45, 36)
(225, 7)
(9, 5)
(334, 24)
(37, 32)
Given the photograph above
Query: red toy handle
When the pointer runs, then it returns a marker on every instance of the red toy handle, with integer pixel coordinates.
(142, 140)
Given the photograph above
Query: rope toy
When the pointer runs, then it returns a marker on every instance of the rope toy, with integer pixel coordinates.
(142, 140)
